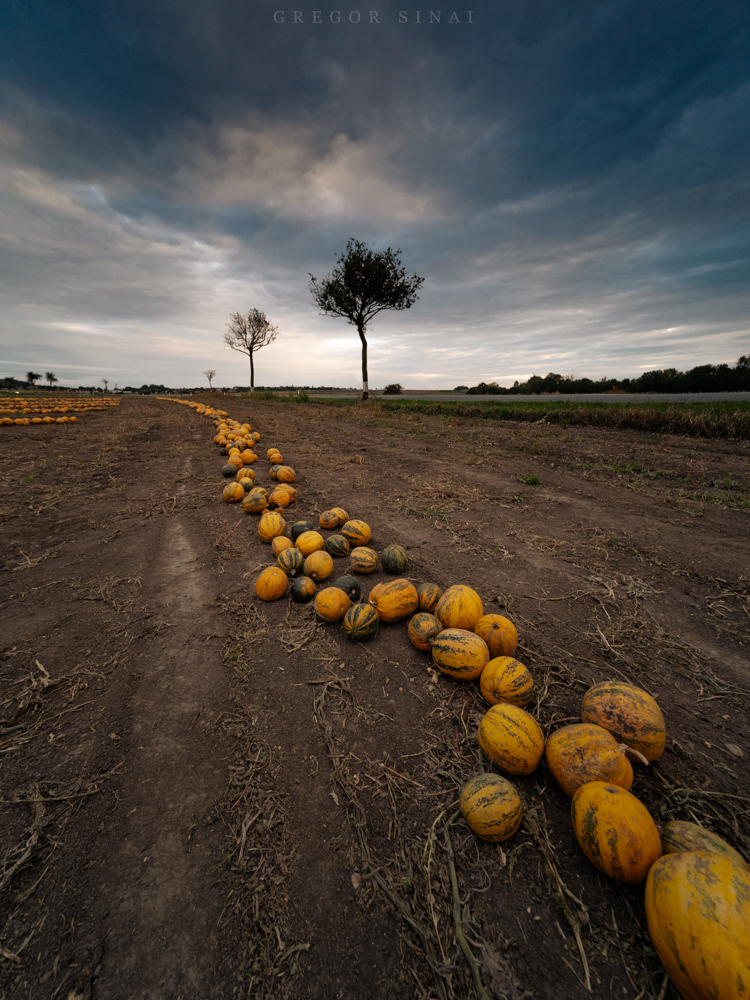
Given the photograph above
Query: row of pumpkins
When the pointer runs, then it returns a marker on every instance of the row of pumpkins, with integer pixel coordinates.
(45, 407)
(697, 886)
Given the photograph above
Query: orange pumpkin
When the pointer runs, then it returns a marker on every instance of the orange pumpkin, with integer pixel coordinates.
(310, 541)
(332, 604)
(271, 525)
(364, 560)
(506, 679)
(582, 752)
(491, 806)
(698, 913)
(286, 474)
(459, 607)
(423, 629)
(629, 713)
(511, 739)
(429, 594)
(318, 565)
(245, 473)
(329, 520)
(356, 532)
(615, 831)
(271, 584)
(499, 633)
(233, 492)
(281, 497)
(460, 653)
(341, 514)
(679, 835)
(279, 543)
(394, 600)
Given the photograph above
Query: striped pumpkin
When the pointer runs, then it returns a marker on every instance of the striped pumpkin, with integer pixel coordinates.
(629, 713)
(245, 473)
(580, 753)
(341, 514)
(429, 594)
(337, 546)
(271, 525)
(511, 739)
(318, 565)
(255, 502)
(364, 560)
(291, 560)
(356, 532)
(679, 835)
(361, 622)
(615, 830)
(460, 653)
(395, 600)
(499, 633)
(286, 474)
(506, 679)
(459, 607)
(491, 806)
(423, 629)
(394, 559)
(698, 913)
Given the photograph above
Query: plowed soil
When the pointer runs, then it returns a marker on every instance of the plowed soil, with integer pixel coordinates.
(209, 796)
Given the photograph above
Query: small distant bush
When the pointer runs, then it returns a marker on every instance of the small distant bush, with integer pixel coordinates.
(394, 389)
(532, 480)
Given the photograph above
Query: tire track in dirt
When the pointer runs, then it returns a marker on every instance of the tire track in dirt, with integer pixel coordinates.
(161, 932)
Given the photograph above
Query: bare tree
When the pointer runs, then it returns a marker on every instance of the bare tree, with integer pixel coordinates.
(33, 377)
(51, 377)
(248, 334)
(210, 373)
(106, 383)
(364, 282)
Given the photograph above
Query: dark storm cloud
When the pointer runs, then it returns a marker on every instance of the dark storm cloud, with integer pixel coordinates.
(573, 174)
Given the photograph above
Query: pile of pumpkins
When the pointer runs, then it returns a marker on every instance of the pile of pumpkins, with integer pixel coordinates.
(697, 887)
(26, 411)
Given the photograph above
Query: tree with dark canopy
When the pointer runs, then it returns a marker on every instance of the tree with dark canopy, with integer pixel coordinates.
(364, 282)
(51, 377)
(33, 377)
(248, 334)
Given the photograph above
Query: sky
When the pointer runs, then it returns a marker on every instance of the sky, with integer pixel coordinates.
(570, 177)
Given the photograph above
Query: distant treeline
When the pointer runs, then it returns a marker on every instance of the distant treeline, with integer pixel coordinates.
(704, 378)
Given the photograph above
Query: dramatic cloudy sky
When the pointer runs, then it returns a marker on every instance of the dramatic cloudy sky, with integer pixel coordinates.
(571, 178)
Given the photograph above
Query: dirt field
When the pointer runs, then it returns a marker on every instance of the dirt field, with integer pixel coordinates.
(205, 796)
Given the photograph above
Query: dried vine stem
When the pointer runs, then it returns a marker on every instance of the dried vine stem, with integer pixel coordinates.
(460, 936)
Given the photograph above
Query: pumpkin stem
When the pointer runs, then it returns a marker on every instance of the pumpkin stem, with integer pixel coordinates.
(626, 751)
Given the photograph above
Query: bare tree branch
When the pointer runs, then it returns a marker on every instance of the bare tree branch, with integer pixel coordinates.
(248, 334)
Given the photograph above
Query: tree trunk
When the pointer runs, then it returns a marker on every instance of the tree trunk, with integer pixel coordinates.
(252, 373)
(361, 331)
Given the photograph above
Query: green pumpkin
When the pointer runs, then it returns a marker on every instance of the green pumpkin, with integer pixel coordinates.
(299, 527)
(291, 560)
(350, 586)
(224, 450)
(229, 470)
(337, 546)
(303, 589)
(395, 560)
(361, 622)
